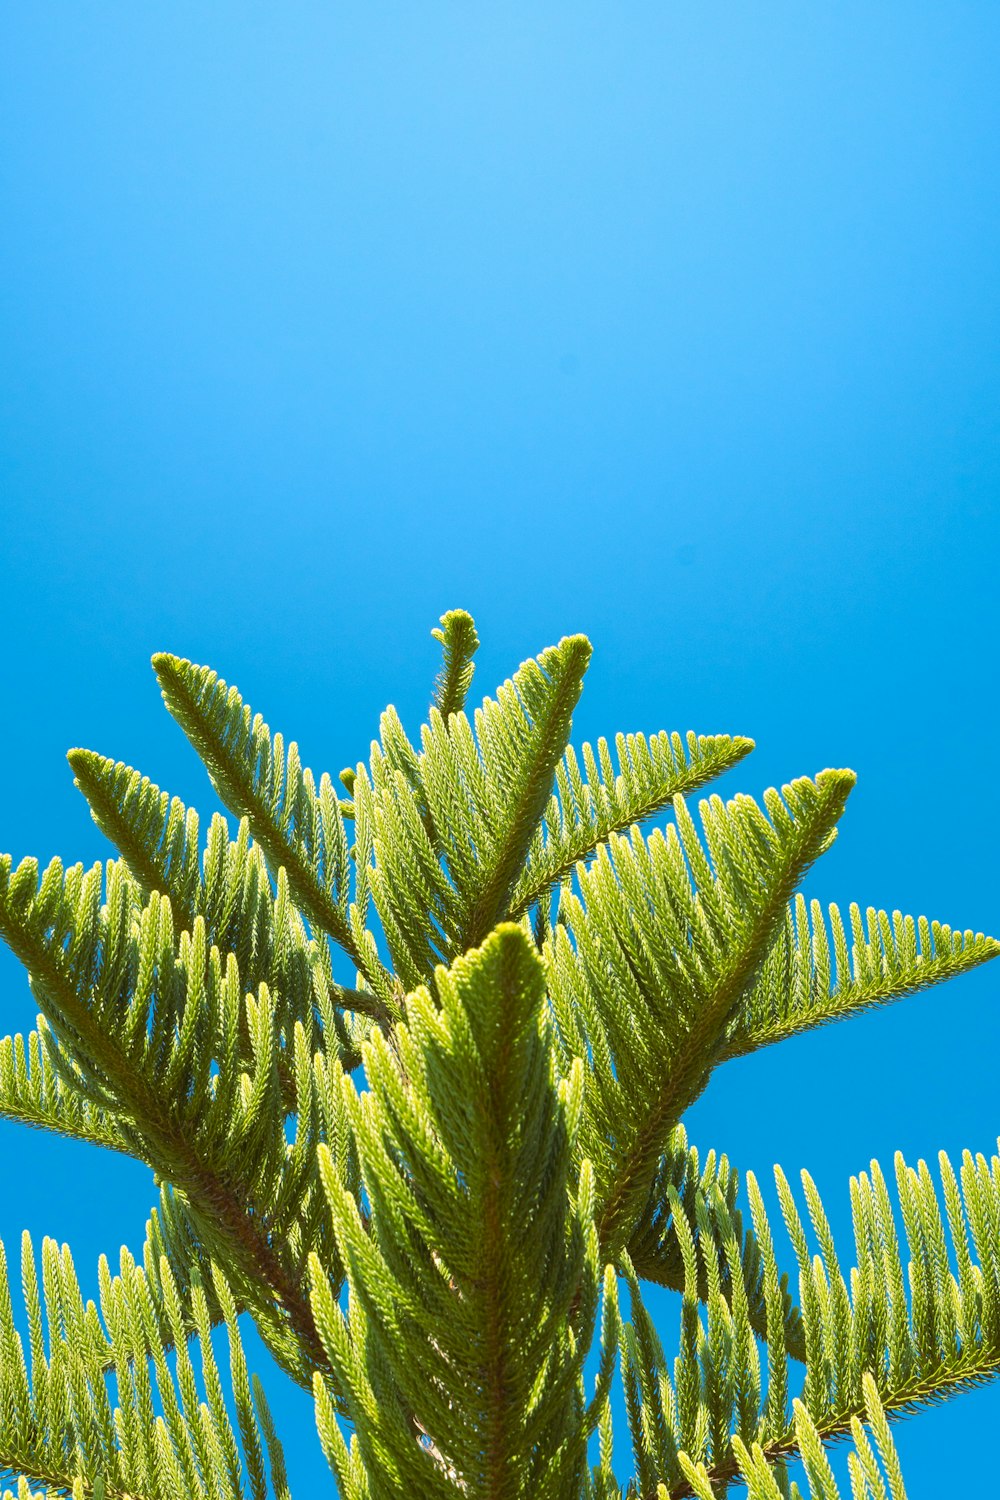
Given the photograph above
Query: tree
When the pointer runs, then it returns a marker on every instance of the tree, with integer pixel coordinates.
(428, 1187)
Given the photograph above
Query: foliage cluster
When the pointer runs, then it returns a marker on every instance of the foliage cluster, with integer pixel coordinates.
(442, 1189)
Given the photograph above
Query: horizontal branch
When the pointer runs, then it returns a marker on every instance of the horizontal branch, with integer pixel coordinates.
(904, 1401)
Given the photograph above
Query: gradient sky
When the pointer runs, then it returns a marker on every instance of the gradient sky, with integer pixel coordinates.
(676, 324)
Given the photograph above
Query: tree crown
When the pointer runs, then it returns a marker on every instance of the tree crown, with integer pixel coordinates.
(440, 1184)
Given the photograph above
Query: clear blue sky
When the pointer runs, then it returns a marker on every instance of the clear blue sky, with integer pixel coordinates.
(676, 324)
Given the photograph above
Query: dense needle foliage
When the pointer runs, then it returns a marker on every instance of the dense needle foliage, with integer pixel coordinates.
(440, 1179)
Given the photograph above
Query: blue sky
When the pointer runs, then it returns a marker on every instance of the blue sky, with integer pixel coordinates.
(674, 324)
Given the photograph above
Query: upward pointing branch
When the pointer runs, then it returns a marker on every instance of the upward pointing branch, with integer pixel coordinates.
(530, 784)
(152, 1128)
(460, 641)
(299, 830)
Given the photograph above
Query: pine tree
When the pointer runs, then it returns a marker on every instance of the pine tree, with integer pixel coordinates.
(441, 1189)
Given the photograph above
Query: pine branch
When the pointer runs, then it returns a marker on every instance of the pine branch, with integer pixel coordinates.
(520, 764)
(300, 828)
(57, 1426)
(796, 1443)
(443, 834)
(460, 641)
(33, 1093)
(708, 1198)
(651, 961)
(158, 837)
(871, 1464)
(919, 1334)
(473, 1298)
(813, 976)
(584, 814)
(82, 959)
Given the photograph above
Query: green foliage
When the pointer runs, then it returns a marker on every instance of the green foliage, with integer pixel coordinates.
(913, 1330)
(654, 955)
(460, 643)
(808, 980)
(433, 1184)
(169, 1433)
(707, 1197)
(479, 1254)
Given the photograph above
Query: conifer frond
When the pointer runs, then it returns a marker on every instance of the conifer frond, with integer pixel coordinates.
(873, 1464)
(516, 1132)
(487, 797)
(707, 1196)
(460, 642)
(399, 857)
(35, 1093)
(154, 1028)
(918, 1316)
(651, 959)
(299, 827)
(816, 973)
(446, 829)
(473, 1297)
(227, 883)
(161, 1265)
(156, 835)
(584, 813)
(85, 1412)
